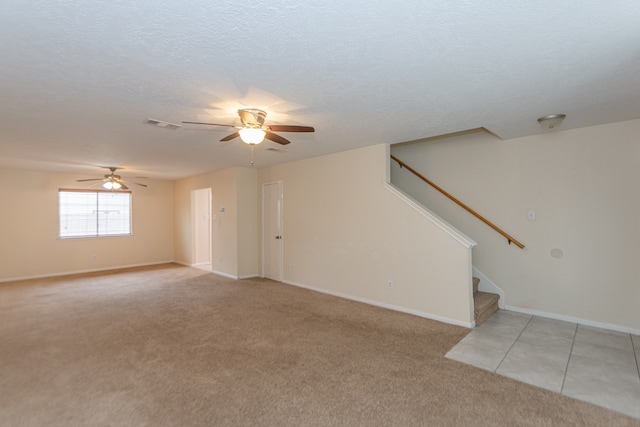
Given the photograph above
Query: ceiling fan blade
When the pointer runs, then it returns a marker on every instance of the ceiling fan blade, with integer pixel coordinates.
(133, 182)
(276, 138)
(208, 124)
(230, 137)
(90, 179)
(124, 187)
(288, 128)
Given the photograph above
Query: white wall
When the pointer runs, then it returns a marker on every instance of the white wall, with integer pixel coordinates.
(234, 235)
(582, 184)
(29, 243)
(346, 234)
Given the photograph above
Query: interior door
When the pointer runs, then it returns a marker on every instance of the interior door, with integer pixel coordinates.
(272, 237)
(201, 207)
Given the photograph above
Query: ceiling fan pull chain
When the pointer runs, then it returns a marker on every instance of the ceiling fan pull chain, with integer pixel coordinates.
(251, 155)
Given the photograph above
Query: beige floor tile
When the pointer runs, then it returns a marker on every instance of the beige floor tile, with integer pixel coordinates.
(541, 366)
(552, 327)
(603, 384)
(602, 337)
(548, 339)
(481, 357)
(605, 354)
(591, 364)
(481, 338)
(511, 318)
(497, 328)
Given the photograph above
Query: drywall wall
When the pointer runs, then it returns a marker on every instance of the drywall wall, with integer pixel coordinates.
(29, 243)
(346, 234)
(581, 255)
(234, 220)
(248, 213)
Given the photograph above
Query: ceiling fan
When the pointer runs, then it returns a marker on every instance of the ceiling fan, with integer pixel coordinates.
(111, 181)
(253, 130)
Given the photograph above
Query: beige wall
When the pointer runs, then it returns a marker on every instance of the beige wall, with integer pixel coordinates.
(248, 214)
(582, 184)
(29, 243)
(234, 237)
(346, 234)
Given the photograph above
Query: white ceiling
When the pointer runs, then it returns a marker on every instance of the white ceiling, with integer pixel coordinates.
(78, 79)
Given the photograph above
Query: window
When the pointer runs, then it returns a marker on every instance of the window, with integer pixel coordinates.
(94, 213)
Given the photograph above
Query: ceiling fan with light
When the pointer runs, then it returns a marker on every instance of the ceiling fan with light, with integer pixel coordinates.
(111, 181)
(253, 130)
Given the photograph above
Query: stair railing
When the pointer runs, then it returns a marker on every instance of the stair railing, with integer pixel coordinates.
(458, 202)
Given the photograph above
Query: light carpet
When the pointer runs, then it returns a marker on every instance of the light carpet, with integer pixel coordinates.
(175, 346)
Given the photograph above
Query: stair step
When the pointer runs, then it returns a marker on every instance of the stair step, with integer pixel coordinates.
(484, 305)
(476, 282)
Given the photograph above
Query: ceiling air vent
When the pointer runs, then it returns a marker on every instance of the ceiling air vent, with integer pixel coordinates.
(163, 124)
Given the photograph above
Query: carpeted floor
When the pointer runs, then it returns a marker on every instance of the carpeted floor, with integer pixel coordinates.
(175, 346)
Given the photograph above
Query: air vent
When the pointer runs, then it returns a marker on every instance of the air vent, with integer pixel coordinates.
(163, 124)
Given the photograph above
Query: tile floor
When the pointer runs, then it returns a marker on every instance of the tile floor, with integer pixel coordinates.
(591, 364)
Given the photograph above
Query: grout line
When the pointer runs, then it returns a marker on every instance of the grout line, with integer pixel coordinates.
(514, 343)
(635, 354)
(566, 368)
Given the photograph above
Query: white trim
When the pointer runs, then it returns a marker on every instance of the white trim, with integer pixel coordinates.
(571, 319)
(198, 264)
(182, 263)
(387, 306)
(441, 223)
(227, 275)
(92, 270)
(249, 276)
(486, 285)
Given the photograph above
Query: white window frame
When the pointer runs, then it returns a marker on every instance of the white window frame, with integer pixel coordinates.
(99, 218)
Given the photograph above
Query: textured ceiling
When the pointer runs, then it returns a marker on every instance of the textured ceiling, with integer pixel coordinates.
(78, 79)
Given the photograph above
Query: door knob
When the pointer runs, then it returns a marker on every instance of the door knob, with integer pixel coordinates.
(278, 237)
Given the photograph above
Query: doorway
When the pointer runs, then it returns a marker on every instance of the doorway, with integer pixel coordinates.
(272, 236)
(201, 228)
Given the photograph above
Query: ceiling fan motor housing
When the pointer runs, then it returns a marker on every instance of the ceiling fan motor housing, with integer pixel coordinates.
(252, 117)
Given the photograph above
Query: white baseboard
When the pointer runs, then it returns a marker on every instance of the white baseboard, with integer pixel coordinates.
(92, 270)
(220, 273)
(227, 275)
(577, 320)
(387, 306)
(182, 263)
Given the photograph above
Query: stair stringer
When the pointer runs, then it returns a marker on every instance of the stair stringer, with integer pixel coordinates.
(486, 285)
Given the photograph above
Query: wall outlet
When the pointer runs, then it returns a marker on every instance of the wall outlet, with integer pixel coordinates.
(293, 267)
(390, 284)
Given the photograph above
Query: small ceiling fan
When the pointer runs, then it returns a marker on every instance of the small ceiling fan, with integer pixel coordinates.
(253, 130)
(111, 181)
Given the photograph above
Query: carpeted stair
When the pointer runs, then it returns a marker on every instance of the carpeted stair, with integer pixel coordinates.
(484, 303)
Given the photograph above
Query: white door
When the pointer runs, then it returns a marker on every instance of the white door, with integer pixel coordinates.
(272, 242)
(201, 234)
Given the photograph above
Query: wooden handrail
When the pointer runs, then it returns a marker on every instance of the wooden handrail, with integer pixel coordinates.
(467, 208)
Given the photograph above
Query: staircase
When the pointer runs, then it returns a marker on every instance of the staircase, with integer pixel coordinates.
(484, 303)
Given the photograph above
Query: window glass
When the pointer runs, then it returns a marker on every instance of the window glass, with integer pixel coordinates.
(94, 213)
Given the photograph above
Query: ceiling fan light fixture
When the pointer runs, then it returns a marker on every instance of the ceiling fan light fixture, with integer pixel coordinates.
(252, 136)
(111, 185)
(551, 121)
